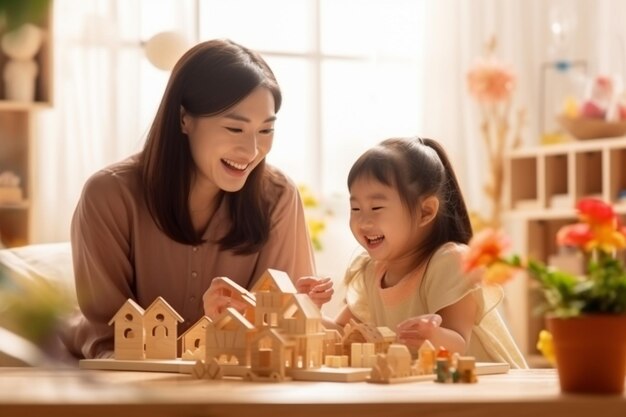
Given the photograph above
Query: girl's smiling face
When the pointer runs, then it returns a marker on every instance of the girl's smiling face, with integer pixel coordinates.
(380, 222)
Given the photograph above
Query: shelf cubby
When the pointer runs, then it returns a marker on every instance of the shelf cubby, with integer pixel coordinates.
(544, 183)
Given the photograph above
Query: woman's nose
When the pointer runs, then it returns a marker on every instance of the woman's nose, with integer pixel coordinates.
(250, 146)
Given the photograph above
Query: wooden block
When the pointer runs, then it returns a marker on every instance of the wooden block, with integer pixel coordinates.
(356, 354)
(327, 360)
(368, 349)
(492, 368)
(413, 378)
(335, 361)
(331, 374)
(344, 361)
(368, 361)
(147, 365)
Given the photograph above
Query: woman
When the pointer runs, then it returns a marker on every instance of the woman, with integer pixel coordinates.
(198, 202)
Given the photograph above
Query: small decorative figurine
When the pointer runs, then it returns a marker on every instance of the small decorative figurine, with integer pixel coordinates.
(20, 72)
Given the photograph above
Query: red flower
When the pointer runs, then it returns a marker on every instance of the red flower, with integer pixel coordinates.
(600, 228)
(594, 211)
(577, 235)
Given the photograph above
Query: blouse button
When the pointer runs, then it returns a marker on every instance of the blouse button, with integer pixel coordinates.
(195, 249)
(194, 274)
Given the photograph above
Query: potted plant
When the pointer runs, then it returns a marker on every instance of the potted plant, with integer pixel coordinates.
(585, 314)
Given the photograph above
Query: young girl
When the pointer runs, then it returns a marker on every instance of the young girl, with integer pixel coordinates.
(408, 213)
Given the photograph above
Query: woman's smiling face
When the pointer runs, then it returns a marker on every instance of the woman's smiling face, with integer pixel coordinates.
(228, 146)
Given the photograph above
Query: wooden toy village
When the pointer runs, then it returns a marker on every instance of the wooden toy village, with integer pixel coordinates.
(279, 336)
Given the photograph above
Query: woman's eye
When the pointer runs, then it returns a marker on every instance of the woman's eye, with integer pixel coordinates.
(355, 209)
(267, 131)
(234, 129)
(376, 208)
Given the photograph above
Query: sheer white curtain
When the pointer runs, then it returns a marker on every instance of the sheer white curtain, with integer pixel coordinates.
(105, 97)
(457, 31)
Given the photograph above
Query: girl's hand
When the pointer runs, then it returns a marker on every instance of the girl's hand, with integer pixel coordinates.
(218, 297)
(415, 330)
(320, 290)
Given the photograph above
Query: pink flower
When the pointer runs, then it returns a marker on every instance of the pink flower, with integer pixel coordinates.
(490, 81)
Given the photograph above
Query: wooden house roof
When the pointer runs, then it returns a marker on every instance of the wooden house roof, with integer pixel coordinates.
(228, 316)
(303, 303)
(204, 320)
(241, 292)
(160, 301)
(274, 280)
(128, 306)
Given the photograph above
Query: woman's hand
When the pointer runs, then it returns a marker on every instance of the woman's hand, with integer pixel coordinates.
(415, 330)
(320, 290)
(220, 296)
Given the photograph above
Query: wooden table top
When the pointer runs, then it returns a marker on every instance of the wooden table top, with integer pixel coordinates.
(62, 392)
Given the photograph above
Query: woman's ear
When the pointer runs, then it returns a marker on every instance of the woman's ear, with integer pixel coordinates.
(183, 120)
(428, 208)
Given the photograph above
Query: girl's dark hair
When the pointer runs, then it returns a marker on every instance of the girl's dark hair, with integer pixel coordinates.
(419, 168)
(208, 79)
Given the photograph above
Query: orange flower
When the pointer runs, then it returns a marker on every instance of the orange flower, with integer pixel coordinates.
(490, 81)
(485, 248)
(606, 238)
(499, 273)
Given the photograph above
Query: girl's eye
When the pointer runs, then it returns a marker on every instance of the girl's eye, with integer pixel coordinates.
(267, 131)
(376, 208)
(355, 209)
(234, 129)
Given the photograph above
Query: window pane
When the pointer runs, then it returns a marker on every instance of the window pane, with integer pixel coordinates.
(294, 133)
(370, 27)
(268, 25)
(362, 104)
(166, 15)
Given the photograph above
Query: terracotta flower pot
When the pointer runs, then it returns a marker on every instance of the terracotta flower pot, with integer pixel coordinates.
(590, 353)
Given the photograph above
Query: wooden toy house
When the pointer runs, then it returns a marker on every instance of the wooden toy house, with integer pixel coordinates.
(129, 331)
(272, 292)
(302, 321)
(195, 337)
(161, 327)
(271, 353)
(356, 332)
(228, 339)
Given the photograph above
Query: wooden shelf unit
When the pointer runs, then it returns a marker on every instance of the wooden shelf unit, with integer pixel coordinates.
(544, 184)
(17, 138)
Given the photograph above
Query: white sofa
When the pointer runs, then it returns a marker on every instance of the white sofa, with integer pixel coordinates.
(52, 261)
(31, 278)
